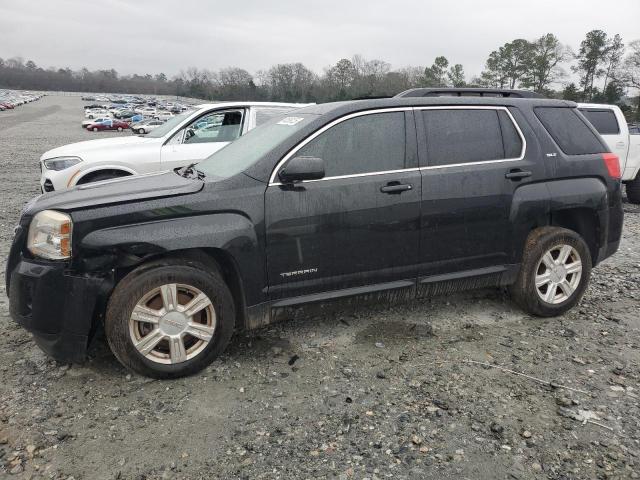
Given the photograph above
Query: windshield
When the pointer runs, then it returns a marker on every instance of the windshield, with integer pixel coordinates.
(168, 126)
(244, 152)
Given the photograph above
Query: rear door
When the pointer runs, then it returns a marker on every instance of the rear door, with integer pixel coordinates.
(357, 226)
(472, 161)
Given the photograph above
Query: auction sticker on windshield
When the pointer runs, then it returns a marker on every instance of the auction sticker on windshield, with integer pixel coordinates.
(290, 121)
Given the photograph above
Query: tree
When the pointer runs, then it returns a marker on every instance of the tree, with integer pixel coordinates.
(436, 74)
(543, 63)
(613, 58)
(592, 53)
(456, 76)
(630, 74)
(515, 58)
(571, 92)
(290, 82)
(507, 65)
(493, 75)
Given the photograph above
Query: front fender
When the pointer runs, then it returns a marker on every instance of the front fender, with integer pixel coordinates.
(232, 233)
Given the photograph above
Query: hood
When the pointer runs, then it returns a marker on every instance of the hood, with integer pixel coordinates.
(80, 148)
(119, 190)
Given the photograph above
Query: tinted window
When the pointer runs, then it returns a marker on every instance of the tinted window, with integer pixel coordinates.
(510, 137)
(634, 130)
(570, 132)
(604, 121)
(463, 136)
(369, 143)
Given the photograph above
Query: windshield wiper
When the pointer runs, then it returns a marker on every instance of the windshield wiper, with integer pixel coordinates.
(191, 172)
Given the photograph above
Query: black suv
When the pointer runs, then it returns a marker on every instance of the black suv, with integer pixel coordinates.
(362, 200)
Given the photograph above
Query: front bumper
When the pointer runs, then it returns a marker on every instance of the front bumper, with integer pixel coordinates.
(56, 306)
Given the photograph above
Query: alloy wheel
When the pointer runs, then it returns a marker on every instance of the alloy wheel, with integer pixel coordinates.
(558, 274)
(172, 323)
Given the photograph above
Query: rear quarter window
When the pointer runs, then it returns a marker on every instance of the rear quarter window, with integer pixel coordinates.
(603, 120)
(570, 132)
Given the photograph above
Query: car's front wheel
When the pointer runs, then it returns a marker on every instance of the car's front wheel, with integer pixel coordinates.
(95, 129)
(554, 274)
(170, 318)
(119, 129)
(141, 131)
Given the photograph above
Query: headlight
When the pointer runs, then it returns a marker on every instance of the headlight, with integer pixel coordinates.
(60, 163)
(50, 235)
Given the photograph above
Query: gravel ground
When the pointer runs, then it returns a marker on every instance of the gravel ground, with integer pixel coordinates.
(386, 392)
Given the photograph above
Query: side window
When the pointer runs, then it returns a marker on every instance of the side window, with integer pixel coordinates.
(465, 136)
(263, 115)
(604, 121)
(510, 137)
(215, 127)
(569, 131)
(634, 130)
(368, 143)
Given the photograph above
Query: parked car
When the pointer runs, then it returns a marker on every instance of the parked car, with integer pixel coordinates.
(95, 113)
(86, 123)
(146, 126)
(122, 114)
(174, 144)
(108, 124)
(363, 200)
(164, 116)
(611, 124)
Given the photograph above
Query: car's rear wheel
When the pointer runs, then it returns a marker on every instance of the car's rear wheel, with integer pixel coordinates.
(119, 129)
(141, 130)
(555, 271)
(633, 190)
(170, 319)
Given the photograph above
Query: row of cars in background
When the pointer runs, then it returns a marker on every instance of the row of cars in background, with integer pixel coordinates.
(10, 99)
(141, 115)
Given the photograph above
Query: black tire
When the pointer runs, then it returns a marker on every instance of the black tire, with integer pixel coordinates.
(524, 290)
(141, 130)
(633, 190)
(95, 129)
(144, 279)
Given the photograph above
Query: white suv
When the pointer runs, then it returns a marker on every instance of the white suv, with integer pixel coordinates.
(624, 141)
(186, 138)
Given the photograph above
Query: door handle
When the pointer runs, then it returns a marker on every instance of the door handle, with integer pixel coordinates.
(517, 174)
(395, 187)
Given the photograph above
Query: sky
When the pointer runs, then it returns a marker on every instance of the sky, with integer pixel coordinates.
(152, 36)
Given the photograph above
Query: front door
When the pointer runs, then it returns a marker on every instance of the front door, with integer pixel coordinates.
(357, 226)
(201, 138)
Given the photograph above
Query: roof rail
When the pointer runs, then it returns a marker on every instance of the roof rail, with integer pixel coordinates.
(468, 92)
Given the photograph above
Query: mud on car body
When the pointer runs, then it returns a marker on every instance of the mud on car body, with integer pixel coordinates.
(352, 201)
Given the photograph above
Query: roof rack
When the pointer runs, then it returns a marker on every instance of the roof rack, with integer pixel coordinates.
(469, 92)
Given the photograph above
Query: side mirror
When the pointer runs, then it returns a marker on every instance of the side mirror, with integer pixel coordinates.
(302, 168)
